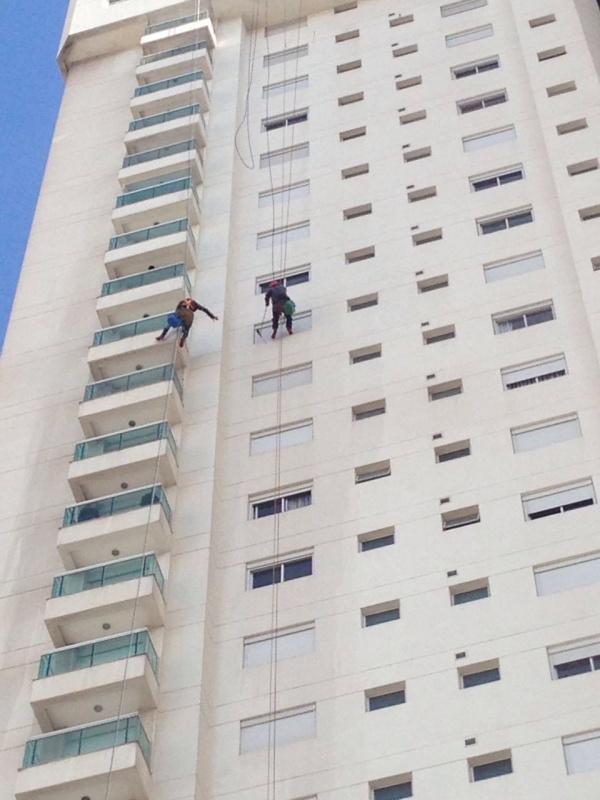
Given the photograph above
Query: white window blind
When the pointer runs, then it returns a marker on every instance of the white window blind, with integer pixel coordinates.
(464, 5)
(285, 55)
(285, 154)
(283, 437)
(279, 646)
(535, 372)
(289, 233)
(513, 267)
(569, 575)
(284, 379)
(283, 728)
(567, 653)
(544, 434)
(281, 87)
(283, 194)
(582, 753)
(456, 39)
(489, 138)
(543, 504)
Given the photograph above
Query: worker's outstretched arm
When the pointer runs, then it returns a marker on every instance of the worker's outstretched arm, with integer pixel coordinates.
(208, 313)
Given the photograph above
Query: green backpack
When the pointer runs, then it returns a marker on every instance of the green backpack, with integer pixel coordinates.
(289, 308)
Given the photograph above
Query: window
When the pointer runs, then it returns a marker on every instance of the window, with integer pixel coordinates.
(575, 658)
(366, 301)
(373, 540)
(281, 379)
(415, 116)
(450, 452)
(384, 612)
(284, 120)
(401, 20)
(571, 127)
(545, 369)
(457, 39)
(458, 8)
(288, 498)
(353, 133)
(284, 194)
(432, 284)
(561, 88)
(415, 155)
(416, 80)
(368, 410)
(595, 261)
(396, 788)
(398, 52)
(489, 138)
(538, 21)
(284, 27)
(359, 255)
(439, 334)
(582, 167)
(347, 99)
(275, 157)
(288, 233)
(558, 501)
(497, 178)
(443, 390)
(279, 645)
(582, 753)
(345, 7)
(365, 354)
(469, 592)
(510, 219)
(421, 194)
(283, 727)
(372, 472)
(570, 573)
(554, 52)
(281, 56)
(393, 694)
(292, 277)
(354, 172)
(344, 37)
(591, 212)
(512, 267)
(357, 211)
(286, 436)
(545, 433)
(280, 572)
(281, 87)
(427, 237)
(490, 766)
(484, 101)
(475, 68)
(349, 66)
(523, 317)
(478, 674)
(460, 518)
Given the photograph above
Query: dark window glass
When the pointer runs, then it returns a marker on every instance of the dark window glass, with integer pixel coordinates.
(479, 678)
(464, 451)
(494, 101)
(488, 66)
(266, 577)
(386, 700)
(520, 219)
(485, 183)
(517, 323)
(373, 544)
(472, 594)
(397, 792)
(294, 280)
(267, 508)
(536, 317)
(297, 569)
(380, 617)
(493, 226)
(573, 668)
(493, 770)
(464, 73)
(509, 177)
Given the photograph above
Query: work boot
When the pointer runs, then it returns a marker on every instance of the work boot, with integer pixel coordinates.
(274, 334)
(290, 331)
(181, 342)
(160, 338)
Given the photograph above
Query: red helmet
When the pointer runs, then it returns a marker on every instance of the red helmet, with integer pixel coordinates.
(273, 284)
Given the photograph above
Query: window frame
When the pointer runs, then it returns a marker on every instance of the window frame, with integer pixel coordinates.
(279, 564)
(531, 365)
(479, 67)
(543, 425)
(287, 54)
(279, 377)
(461, 7)
(524, 312)
(278, 433)
(462, 37)
(556, 491)
(273, 636)
(283, 496)
(481, 102)
(484, 136)
(271, 720)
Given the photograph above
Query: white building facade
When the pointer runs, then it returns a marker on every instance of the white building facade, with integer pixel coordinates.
(361, 562)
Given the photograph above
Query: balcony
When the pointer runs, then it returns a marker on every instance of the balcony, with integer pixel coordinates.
(160, 130)
(149, 292)
(117, 526)
(115, 597)
(160, 96)
(157, 245)
(140, 397)
(162, 161)
(116, 674)
(160, 202)
(175, 61)
(107, 760)
(172, 33)
(135, 457)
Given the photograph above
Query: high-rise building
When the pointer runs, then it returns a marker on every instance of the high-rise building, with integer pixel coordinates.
(361, 562)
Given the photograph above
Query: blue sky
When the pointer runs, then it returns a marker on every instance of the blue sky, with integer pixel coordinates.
(30, 94)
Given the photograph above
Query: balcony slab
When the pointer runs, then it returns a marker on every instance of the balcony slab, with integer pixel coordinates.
(166, 133)
(161, 252)
(152, 299)
(180, 35)
(137, 352)
(176, 205)
(189, 160)
(196, 91)
(171, 66)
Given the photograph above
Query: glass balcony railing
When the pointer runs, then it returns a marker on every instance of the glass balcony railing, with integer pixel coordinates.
(146, 234)
(147, 278)
(122, 441)
(119, 332)
(145, 377)
(161, 152)
(82, 656)
(89, 739)
(127, 569)
(175, 23)
(169, 83)
(167, 116)
(176, 51)
(156, 191)
(117, 504)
